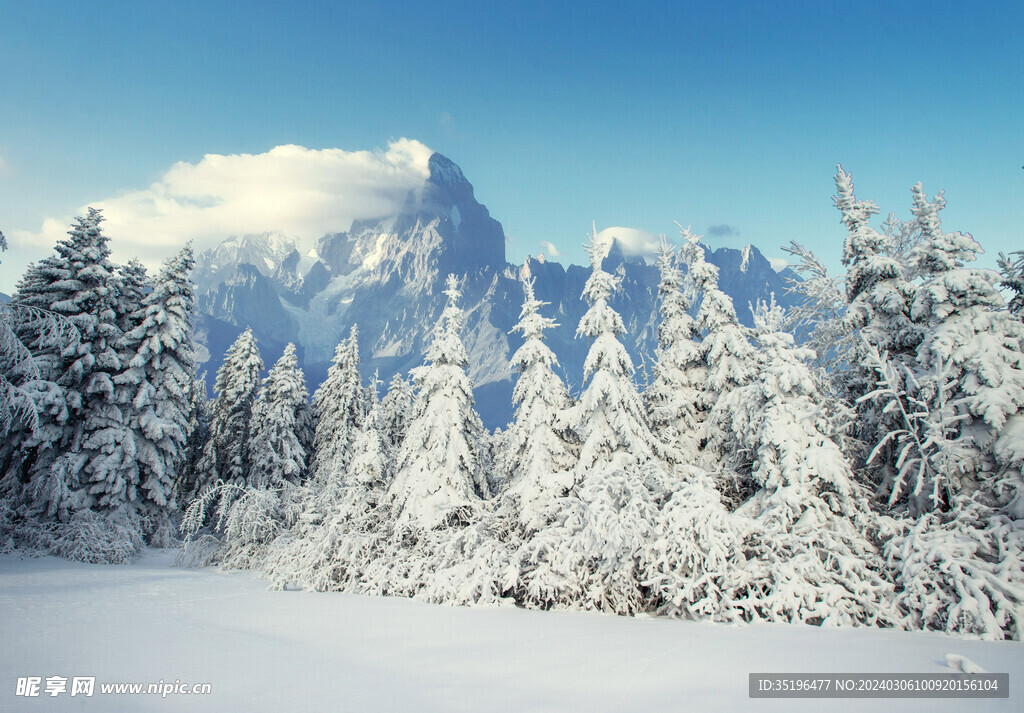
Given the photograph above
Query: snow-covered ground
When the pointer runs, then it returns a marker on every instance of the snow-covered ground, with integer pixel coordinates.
(294, 651)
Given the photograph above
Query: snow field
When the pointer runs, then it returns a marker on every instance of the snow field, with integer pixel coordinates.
(295, 651)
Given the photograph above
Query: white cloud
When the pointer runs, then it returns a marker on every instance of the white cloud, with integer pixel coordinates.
(290, 189)
(633, 242)
(550, 249)
(779, 263)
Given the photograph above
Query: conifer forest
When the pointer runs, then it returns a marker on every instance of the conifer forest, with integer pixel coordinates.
(855, 460)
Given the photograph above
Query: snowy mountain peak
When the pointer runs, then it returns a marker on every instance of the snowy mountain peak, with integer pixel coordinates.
(386, 275)
(444, 171)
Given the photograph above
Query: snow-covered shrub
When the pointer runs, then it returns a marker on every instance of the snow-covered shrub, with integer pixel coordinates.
(694, 560)
(233, 525)
(960, 572)
(97, 538)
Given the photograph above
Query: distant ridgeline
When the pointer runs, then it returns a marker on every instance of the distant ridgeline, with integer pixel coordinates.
(387, 276)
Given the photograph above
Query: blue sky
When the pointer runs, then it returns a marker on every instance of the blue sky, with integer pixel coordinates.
(561, 114)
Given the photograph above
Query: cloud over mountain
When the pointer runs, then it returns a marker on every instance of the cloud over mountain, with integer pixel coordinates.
(290, 189)
(633, 242)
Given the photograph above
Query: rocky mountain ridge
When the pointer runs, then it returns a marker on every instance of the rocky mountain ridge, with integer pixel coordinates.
(387, 276)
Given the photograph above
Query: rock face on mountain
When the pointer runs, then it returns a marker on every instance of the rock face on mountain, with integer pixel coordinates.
(387, 276)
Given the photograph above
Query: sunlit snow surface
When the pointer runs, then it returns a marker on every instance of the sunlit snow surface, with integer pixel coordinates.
(294, 651)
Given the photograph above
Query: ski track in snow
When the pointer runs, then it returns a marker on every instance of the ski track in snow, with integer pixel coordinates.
(291, 651)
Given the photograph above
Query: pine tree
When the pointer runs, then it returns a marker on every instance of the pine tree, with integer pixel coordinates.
(23, 389)
(396, 410)
(587, 553)
(537, 450)
(340, 408)
(674, 399)
(17, 369)
(226, 458)
(276, 451)
(440, 480)
(731, 363)
(693, 562)
(1012, 272)
(155, 388)
(958, 484)
(81, 454)
(810, 553)
(343, 527)
(877, 292)
(197, 432)
(133, 285)
(879, 298)
(610, 419)
(373, 455)
(727, 352)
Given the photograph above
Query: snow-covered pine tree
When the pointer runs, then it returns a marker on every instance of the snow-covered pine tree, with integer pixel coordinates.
(82, 451)
(23, 388)
(537, 450)
(877, 292)
(133, 285)
(958, 480)
(811, 553)
(728, 354)
(693, 561)
(396, 407)
(276, 451)
(587, 553)
(305, 430)
(342, 526)
(674, 398)
(340, 407)
(409, 535)
(879, 298)
(251, 515)
(440, 479)
(17, 369)
(610, 419)
(154, 389)
(969, 357)
(1012, 273)
(226, 458)
(197, 432)
(818, 319)
(731, 362)
(373, 455)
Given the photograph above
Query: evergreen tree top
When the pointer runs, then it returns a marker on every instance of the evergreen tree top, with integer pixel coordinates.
(865, 250)
(939, 252)
(531, 323)
(446, 346)
(600, 285)
(238, 376)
